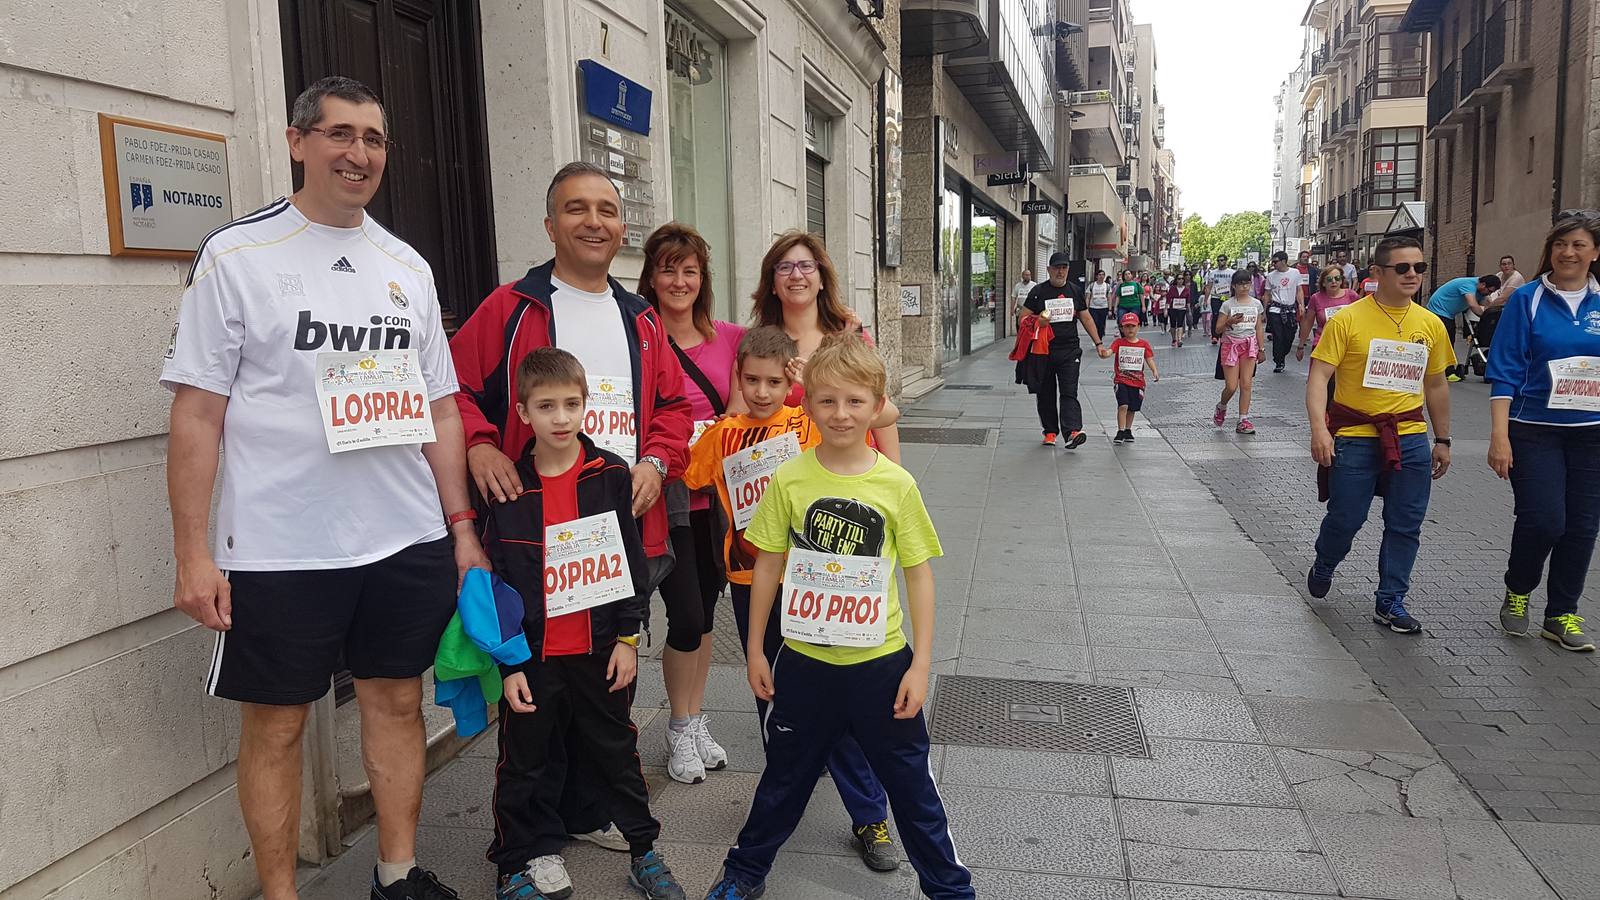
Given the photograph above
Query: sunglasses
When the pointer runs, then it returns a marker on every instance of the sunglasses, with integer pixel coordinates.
(1587, 215)
(1405, 268)
(1332, 278)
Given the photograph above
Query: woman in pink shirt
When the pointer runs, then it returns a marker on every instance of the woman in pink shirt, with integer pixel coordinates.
(677, 281)
(1332, 295)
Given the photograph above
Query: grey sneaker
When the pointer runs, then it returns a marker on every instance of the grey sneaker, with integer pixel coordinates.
(608, 837)
(1514, 614)
(876, 847)
(550, 876)
(1564, 630)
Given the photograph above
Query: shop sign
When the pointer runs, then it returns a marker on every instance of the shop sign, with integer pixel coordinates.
(611, 97)
(166, 187)
(1035, 207)
(996, 163)
(1015, 176)
(1383, 167)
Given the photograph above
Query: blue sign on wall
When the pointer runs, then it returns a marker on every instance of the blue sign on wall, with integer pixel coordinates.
(621, 101)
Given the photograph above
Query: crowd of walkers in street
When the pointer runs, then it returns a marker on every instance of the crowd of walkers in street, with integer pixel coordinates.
(500, 506)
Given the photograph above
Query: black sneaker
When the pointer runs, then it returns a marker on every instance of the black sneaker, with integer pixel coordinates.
(1128, 439)
(1277, 369)
(1121, 436)
(650, 876)
(419, 884)
(876, 847)
(1317, 585)
(1076, 440)
(1394, 615)
(728, 889)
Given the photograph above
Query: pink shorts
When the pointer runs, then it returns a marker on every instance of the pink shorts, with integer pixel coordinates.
(1235, 349)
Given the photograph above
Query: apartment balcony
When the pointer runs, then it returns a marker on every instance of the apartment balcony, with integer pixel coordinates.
(1492, 61)
(1124, 175)
(1097, 132)
(1470, 66)
(1346, 37)
(929, 27)
(1442, 98)
(1505, 46)
(1392, 82)
(1007, 81)
(1092, 194)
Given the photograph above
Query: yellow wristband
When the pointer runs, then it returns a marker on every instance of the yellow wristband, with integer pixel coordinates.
(632, 640)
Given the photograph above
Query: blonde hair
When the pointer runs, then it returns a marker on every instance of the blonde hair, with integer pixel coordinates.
(845, 359)
(1322, 279)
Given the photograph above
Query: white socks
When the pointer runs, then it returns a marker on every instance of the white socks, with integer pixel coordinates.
(390, 872)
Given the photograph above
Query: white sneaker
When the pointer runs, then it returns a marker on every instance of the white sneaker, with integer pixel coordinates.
(711, 753)
(683, 760)
(608, 837)
(550, 877)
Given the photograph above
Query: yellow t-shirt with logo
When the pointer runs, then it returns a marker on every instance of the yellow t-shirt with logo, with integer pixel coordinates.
(1344, 345)
(877, 513)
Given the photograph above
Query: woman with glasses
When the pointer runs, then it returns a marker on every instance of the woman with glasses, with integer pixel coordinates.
(1544, 368)
(1180, 297)
(1332, 295)
(799, 292)
(676, 280)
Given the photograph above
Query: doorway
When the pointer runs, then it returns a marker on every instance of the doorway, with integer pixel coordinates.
(424, 59)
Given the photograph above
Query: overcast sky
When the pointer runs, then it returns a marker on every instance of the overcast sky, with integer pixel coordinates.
(1219, 66)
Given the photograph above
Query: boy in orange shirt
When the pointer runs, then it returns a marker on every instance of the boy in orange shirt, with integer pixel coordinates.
(737, 456)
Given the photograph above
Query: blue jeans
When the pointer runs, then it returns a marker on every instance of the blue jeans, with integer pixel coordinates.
(1357, 464)
(1555, 476)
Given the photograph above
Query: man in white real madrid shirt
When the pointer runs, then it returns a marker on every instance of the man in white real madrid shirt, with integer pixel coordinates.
(309, 344)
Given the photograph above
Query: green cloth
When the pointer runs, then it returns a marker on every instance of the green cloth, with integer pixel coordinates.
(1130, 295)
(459, 657)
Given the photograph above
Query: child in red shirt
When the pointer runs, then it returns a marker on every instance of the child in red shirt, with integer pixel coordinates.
(1130, 354)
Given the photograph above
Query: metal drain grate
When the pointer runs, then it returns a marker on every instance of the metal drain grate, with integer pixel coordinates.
(969, 387)
(1036, 715)
(956, 437)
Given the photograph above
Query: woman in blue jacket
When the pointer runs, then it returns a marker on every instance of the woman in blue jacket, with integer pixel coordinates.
(1544, 364)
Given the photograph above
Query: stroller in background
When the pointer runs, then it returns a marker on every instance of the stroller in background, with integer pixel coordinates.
(1479, 334)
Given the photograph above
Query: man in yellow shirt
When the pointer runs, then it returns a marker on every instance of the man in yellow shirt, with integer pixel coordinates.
(1390, 356)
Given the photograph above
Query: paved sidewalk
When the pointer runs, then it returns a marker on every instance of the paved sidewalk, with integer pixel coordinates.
(1275, 770)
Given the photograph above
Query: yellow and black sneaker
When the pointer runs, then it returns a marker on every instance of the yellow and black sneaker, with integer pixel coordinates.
(876, 847)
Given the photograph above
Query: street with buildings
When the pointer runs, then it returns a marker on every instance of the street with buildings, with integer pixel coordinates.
(1134, 696)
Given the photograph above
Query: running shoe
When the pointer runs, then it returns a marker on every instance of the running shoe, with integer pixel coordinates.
(419, 884)
(728, 889)
(550, 877)
(518, 886)
(1452, 378)
(1076, 440)
(711, 753)
(1049, 438)
(683, 760)
(1121, 436)
(1219, 416)
(1317, 584)
(1129, 438)
(1277, 369)
(1514, 614)
(1564, 630)
(650, 876)
(1394, 615)
(1244, 427)
(608, 837)
(876, 847)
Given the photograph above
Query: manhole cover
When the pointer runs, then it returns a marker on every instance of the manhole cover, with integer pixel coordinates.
(1036, 715)
(962, 437)
(969, 387)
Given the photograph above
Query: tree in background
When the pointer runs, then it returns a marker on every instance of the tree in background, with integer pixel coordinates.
(1198, 238)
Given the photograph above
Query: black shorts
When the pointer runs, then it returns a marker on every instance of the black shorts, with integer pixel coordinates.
(1129, 396)
(290, 628)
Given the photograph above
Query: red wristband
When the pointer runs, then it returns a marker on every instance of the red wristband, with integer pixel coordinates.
(466, 515)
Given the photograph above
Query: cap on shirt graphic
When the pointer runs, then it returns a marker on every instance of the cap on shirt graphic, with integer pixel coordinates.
(843, 526)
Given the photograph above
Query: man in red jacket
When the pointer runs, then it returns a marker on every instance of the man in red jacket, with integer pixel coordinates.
(636, 409)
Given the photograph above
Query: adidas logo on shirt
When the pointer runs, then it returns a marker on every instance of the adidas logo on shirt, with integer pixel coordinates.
(343, 265)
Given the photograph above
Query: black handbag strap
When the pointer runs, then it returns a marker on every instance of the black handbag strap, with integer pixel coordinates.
(699, 378)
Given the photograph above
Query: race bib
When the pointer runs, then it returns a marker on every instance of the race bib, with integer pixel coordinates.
(585, 565)
(1130, 359)
(1575, 383)
(1328, 313)
(1180, 302)
(1059, 308)
(838, 600)
(1247, 326)
(610, 420)
(1395, 366)
(372, 399)
(700, 427)
(749, 471)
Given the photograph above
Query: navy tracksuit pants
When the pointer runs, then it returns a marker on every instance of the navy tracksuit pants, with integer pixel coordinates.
(863, 796)
(815, 704)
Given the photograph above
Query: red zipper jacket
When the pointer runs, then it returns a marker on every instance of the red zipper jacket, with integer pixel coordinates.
(516, 319)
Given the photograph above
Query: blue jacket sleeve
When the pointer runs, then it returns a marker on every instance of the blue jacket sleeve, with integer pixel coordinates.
(1509, 351)
(491, 614)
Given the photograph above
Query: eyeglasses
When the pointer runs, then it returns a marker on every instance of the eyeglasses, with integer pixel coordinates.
(790, 266)
(344, 137)
(1405, 268)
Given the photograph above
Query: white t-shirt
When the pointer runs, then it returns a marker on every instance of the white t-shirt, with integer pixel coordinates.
(267, 293)
(1284, 286)
(1221, 282)
(1246, 328)
(1099, 294)
(1020, 293)
(590, 327)
(1349, 273)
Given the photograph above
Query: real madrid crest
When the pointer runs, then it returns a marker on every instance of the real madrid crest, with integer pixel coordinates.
(398, 297)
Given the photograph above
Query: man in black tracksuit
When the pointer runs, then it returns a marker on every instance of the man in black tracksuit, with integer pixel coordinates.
(1056, 384)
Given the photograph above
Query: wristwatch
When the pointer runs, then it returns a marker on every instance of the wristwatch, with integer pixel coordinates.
(632, 640)
(661, 467)
(1442, 440)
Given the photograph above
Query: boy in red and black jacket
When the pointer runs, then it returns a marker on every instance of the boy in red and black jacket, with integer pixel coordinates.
(569, 545)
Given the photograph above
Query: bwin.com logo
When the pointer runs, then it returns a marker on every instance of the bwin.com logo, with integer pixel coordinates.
(142, 195)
